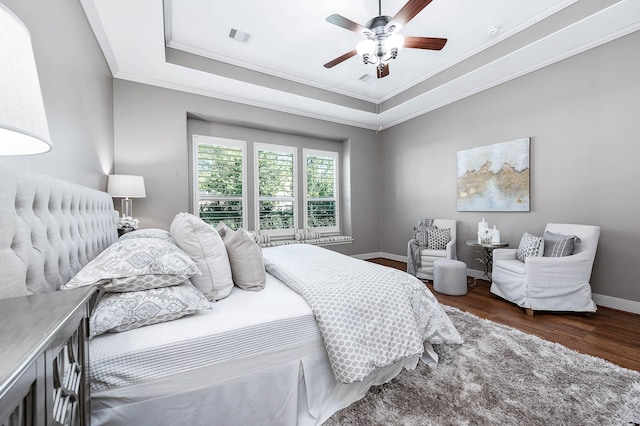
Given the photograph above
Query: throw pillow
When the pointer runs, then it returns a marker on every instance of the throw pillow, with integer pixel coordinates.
(245, 257)
(557, 245)
(438, 238)
(530, 246)
(136, 264)
(261, 238)
(126, 311)
(148, 233)
(203, 244)
(222, 229)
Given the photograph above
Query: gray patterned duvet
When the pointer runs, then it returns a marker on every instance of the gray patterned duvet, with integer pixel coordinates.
(369, 315)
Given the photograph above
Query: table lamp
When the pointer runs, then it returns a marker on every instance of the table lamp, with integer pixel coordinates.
(126, 187)
(23, 122)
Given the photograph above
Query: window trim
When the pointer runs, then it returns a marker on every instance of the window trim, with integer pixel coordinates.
(222, 142)
(260, 146)
(310, 152)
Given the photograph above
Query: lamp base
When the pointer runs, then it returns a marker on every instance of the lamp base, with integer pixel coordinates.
(127, 207)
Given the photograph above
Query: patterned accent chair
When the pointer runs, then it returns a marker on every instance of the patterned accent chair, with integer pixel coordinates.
(553, 281)
(430, 255)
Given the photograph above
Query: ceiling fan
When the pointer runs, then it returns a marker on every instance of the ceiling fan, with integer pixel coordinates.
(382, 41)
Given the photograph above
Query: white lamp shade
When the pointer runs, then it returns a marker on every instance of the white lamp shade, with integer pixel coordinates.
(126, 186)
(23, 122)
(366, 47)
(394, 41)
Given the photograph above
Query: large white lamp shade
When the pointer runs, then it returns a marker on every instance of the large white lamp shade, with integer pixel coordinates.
(126, 187)
(23, 123)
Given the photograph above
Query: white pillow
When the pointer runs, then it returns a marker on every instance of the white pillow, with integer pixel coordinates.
(203, 244)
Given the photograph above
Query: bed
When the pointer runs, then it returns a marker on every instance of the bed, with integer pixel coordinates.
(253, 357)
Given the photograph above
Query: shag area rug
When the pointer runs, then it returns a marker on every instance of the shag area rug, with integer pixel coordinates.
(502, 376)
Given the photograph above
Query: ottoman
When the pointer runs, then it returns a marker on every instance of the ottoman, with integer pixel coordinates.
(450, 277)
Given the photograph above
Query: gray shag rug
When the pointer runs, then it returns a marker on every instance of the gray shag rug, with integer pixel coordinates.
(501, 376)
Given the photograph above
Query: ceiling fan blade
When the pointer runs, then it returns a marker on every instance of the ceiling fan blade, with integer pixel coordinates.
(345, 23)
(384, 72)
(339, 59)
(431, 43)
(408, 11)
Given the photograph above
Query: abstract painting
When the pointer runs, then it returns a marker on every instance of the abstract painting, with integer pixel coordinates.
(494, 178)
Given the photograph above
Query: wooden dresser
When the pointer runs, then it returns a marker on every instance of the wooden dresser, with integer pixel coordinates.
(44, 359)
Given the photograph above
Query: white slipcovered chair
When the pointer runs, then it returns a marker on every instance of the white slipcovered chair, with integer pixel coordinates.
(549, 283)
(428, 256)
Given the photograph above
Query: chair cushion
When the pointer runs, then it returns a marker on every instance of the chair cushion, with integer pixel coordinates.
(530, 246)
(558, 245)
(433, 253)
(512, 265)
(438, 238)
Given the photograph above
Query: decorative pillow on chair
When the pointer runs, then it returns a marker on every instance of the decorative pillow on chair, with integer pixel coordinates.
(530, 246)
(201, 241)
(126, 311)
(438, 238)
(557, 245)
(136, 264)
(245, 257)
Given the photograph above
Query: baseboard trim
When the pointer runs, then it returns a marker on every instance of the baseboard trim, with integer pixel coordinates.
(600, 299)
(617, 303)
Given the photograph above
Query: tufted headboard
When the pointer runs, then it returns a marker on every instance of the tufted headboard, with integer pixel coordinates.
(49, 229)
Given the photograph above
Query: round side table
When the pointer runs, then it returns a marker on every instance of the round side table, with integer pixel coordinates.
(485, 253)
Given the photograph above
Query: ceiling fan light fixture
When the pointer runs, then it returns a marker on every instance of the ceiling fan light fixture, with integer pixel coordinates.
(394, 42)
(366, 49)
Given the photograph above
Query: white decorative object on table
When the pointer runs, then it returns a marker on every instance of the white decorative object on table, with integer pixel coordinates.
(495, 235)
(127, 224)
(485, 235)
(481, 227)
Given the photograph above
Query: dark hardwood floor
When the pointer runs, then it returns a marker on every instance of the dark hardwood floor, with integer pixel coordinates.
(610, 334)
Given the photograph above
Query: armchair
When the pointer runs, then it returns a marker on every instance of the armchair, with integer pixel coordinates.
(428, 256)
(549, 283)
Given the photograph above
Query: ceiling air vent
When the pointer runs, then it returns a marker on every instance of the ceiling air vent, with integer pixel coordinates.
(365, 77)
(238, 35)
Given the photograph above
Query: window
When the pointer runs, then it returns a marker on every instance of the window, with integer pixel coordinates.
(220, 176)
(321, 190)
(275, 172)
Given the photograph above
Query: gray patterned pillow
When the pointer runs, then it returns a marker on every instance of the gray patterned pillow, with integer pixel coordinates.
(438, 238)
(136, 264)
(126, 311)
(530, 246)
(557, 245)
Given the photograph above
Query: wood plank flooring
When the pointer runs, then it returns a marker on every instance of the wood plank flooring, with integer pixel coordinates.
(608, 333)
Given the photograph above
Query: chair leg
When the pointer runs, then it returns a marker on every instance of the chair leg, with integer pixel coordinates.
(529, 311)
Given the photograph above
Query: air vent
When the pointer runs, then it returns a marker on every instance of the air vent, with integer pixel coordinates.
(238, 35)
(365, 77)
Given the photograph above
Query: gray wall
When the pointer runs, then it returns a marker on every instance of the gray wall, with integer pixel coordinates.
(583, 116)
(151, 136)
(77, 90)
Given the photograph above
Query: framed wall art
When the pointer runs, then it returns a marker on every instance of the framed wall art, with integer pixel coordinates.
(494, 178)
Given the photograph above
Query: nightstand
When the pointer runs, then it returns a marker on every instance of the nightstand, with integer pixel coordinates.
(44, 358)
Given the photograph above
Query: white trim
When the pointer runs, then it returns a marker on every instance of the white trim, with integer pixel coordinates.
(616, 303)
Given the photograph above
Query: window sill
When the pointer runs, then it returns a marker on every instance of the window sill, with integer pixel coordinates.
(322, 241)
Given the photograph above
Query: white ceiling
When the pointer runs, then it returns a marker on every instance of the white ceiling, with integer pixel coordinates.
(185, 45)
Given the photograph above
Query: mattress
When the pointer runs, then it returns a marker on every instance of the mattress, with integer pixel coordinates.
(242, 325)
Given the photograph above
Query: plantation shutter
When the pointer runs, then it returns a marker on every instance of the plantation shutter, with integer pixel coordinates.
(220, 172)
(276, 188)
(321, 202)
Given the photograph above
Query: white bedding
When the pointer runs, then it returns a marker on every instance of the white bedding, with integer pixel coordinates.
(243, 324)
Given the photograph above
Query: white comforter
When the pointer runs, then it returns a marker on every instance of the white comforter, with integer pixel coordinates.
(369, 315)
